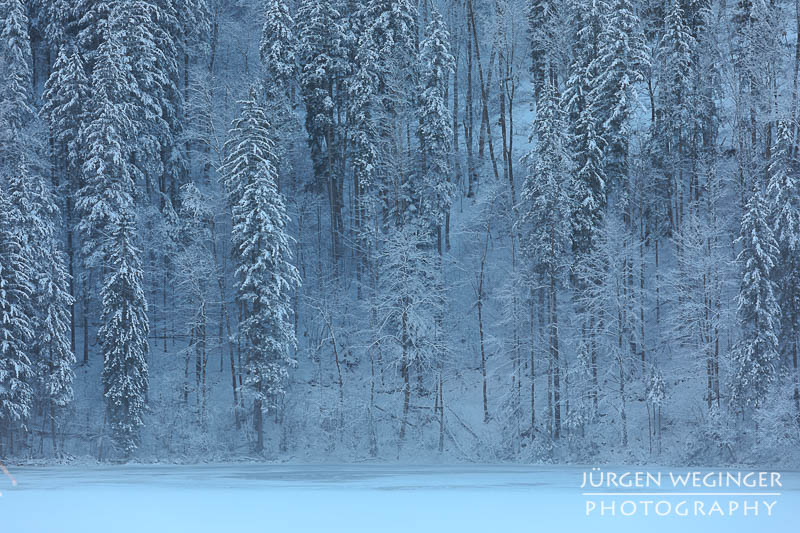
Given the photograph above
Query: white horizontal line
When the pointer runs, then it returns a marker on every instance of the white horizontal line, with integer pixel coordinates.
(681, 493)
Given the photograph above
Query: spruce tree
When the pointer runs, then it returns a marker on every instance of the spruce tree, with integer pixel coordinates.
(435, 190)
(58, 21)
(108, 175)
(584, 98)
(65, 106)
(320, 55)
(323, 68)
(143, 29)
(675, 118)
(36, 219)
(622, 57)
(544, 226)
(90, 17)
(123, 336)
(261, 248)
(588, 189)
(545, 207)
(16, 333)
(16, 83)
(541, 28)
(783, 193)
(278, 43)
(756, 354)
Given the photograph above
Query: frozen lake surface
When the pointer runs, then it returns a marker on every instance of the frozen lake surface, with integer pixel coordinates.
(352, 498)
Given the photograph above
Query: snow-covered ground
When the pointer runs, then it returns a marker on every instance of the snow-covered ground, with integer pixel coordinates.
(328, 498)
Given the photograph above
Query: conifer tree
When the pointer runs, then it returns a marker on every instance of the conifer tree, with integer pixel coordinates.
(90, 17)
(65, 105)
(584, 98)
(278, 43)
(16, 83)
(622, 56)
(108, 175)
(674, 100)
(588, 190)
(541, 14)
(123, 336)
(154, 99)
(435, 190)
(36, 218)
(756, 354)
(392, 31)
(16, 333)
(58, 21)
(544, 219)
(322, 59)
(783, 193)
(261, 248)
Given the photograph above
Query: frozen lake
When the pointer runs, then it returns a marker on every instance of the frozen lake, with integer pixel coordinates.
(355, 498)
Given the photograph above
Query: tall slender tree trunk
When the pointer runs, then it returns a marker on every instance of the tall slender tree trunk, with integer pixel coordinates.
(484, 89)
(258, 425)
(532, 325)
(480, 327)
(86, 319)
(468, 124)
(796, 72)
(554, 354)
(405, 371)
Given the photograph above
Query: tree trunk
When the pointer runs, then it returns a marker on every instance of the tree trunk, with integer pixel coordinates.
(404, 370)
(258, 425)
(554, 354)
(468, 124)
(533, 363)
(480, 327)
(794, 81)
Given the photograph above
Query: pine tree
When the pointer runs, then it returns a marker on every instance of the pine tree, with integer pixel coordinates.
(544, 226)
(36, 219)
(108, 176)
(90, 17)
(16, 83)
(262, 252)
(143, 29)
(123, 336)
(545, 206)
(756, 354)
(622, 57)
(436, 190)
(588, 190)
(541, 27)
(323, 67)
(59, 21)
(278, 43)
(16, 333)
(584, 97)
(783, 193)
(675, 105)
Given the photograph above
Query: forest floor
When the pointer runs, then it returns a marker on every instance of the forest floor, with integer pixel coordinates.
(356, 498)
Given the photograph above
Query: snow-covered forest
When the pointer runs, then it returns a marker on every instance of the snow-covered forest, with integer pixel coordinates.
(419, 230)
